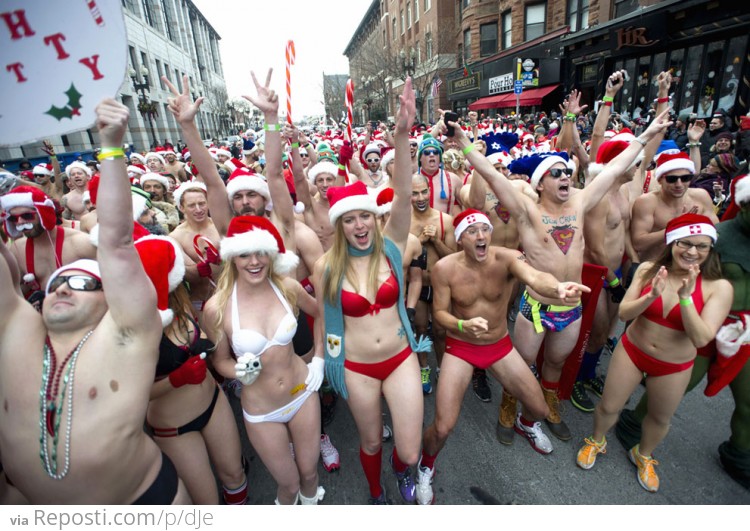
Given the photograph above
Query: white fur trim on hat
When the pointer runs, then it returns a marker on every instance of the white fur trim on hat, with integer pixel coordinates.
(84, 264)
(136, 170)
(177, 273)
(697, 229)
(371, 148)
(77, 164)
(150, 176)
(259, 241)
(140, 158)
(742, 190)
(299, 207)
(41, 169)
(388, 157)
(731, 337)
(354, 202)
(322, 167)
(152, 154)
(184, 187)
(252, 183)
(469, 220)
(224, 152)
(675, 164)
(544, 166)
(500, 157)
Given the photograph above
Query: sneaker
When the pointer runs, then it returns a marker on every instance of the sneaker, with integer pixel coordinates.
(426, 383)
(387, 432)
(534, 434)
(329, 454)
(587, 454)
(611, 344)
(595, 385)
(646, 473)
(480, 386)
(425, 496)
(405, 484)
(580, 398)
(534, 370)
(380, 500)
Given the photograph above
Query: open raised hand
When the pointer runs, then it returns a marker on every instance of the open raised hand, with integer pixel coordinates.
(407, 109)
(181, 104)
(267, 100)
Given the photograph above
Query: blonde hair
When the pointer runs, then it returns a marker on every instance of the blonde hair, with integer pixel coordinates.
(225, 285)
(337, 265)
(454, 159)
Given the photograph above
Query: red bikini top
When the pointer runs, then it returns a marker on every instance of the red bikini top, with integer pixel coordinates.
(655, 311)
(355, 305)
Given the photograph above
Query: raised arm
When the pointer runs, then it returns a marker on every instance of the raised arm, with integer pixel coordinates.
(126, 284)
(695, 133)
(10, 291)
(184, 109)
(398, 224)
(50, 151)
(614, 83)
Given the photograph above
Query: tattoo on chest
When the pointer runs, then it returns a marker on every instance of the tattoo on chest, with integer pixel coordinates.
(502, 213)
(563, 236)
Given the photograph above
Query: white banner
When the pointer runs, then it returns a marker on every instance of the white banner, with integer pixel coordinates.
(57, 61)
(501, 84)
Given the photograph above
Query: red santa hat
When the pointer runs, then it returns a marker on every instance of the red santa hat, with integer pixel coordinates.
(242, 179)
(159, 178)
(668, 162)
(384, 200)
(372, 147)
(154, 154)
(528, 137)
(224, 152)
(43, 169)
(322, 167)
(84, 264)
(93, 188)
(467, 218)
(77, 164)
(388, 156)
(344, 199)
(739, 189)
(605, 154)
(29, 197)
(255, 234)
(609, 133)
(234, 163)
(137, 156)
(164, 264)
(136, 169)
(688, 225)
(625, 134)
(184, 187)
(166, 151)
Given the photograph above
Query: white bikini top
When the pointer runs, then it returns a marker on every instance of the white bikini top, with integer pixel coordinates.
(244, 341)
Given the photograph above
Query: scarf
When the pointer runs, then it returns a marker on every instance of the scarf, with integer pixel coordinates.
(334, 322)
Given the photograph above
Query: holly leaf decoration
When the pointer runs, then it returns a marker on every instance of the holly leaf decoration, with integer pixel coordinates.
(74, 97)
(60, 112)
(71, 109)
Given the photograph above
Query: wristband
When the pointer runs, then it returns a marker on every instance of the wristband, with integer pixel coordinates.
(468, 149)
(686, 302)
(693, 144)
(614, 283)
(640, 141)
(662, 100)
(569, 118)
(342, 167)
(606, 99)
(110, 154)
(570, 115)
(272, 127)
(461, 325)
(608, 103)
(295, 145)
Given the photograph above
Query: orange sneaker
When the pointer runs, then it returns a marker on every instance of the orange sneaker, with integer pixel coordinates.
(588, 452)
(646, 473)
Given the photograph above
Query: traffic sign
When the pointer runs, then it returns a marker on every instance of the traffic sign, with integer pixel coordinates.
(518, 87)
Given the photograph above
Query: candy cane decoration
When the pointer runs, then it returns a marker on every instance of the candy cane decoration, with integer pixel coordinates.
(290, 57)
(349, 108)
(94, 9)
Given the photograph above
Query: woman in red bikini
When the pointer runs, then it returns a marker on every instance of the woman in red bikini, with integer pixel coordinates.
(369, 343)
(677, 304)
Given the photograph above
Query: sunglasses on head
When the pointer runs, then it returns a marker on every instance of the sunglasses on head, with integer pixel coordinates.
(429, 152)
(76, 283)
(372, 161)
(26, 216)
(556, 173)
(671, 179)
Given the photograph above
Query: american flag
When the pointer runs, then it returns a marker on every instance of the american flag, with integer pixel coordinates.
(436, 82)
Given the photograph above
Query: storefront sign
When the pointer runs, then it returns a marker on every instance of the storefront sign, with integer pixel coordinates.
(500, 84)
(465, 84)
(530, 74)
(588, 73)
(635, 37)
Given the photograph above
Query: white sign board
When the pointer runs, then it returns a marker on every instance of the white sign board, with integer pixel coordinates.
(501, 84)
(57, 61)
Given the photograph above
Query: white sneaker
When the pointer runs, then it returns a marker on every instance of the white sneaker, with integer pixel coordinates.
(319, 494)
(534, 434)
(387, 433)
(329, 454)
(425, 496)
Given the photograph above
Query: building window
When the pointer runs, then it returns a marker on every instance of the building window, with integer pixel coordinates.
(578, 14)
(393, 28)
(623, 7)
(428, 45)
(535, 22)
(147, 13)
(158, 74)
(467, 46)
(167, 22)
(130, 6)
(385, 38)
(416, 10)
(487, 39)
(427, 5)
(507, 30)
(408, 14)
(464, 4)
(419, 52)
(403, 26)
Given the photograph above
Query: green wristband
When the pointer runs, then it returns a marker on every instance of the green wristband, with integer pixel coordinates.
(468, 149)
(295, 145)
(272, 127)
(615, 282)
(570, 115)
(605, 99)
(686, 302)
(461, 325)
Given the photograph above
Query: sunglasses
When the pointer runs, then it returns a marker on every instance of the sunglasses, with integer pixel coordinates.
(700, 247)
(304, 155)
(26, 216)
(671, 179)
(76, 283)
(556, 173)
(372, 161)
(429, 152)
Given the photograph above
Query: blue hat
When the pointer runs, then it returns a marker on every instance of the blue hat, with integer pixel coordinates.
(499, 142)
(248, 147)
(536, 165)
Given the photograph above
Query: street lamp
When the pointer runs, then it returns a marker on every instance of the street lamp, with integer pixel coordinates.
(146, 107)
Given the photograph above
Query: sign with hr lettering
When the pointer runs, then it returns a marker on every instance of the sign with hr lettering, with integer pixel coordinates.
(57, 61)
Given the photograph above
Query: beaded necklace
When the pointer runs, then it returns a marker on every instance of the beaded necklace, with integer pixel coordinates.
(50, 411)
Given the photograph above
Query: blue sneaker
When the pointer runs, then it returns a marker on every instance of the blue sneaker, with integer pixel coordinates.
(405, 482)
(426, 382)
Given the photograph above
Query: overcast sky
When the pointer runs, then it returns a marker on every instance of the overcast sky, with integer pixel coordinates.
(254, 36)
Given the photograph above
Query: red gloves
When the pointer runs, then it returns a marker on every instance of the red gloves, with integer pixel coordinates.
(212, 257)
(192, 372)
(346, 152)
(204, 268)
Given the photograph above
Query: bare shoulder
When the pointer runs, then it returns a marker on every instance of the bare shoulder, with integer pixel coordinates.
(447, 264)
(720, 286)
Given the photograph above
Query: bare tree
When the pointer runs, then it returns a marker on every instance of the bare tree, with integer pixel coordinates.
(216, 101)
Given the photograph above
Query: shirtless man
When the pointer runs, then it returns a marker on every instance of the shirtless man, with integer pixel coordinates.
(198, 238)
(155, 162)
(472, 290)
(322, 176)
(78, 177)
(40, 246)
(551, 232)
(174, 166)
(444, 186)
(158, 186)
(652, 211)
(91, 438)
(432, 227)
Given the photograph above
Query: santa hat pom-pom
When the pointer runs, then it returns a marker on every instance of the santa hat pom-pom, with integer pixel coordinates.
(731, 337)
(29, 277)
(286, 263)
(299, 207)
(166, 317)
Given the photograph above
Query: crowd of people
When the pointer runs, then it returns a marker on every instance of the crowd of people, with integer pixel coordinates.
(145, 292)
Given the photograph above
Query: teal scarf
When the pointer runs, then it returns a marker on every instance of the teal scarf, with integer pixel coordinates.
(334, 322)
